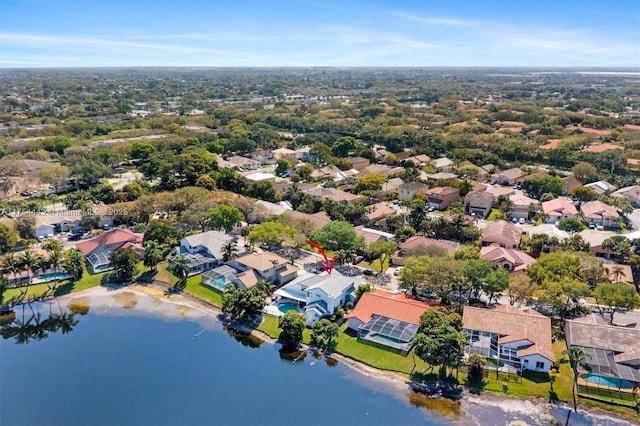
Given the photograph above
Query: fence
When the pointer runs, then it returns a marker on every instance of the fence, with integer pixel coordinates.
(610, 395)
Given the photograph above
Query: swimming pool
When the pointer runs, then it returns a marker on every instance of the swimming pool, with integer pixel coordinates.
(53, 276)
(612, 382)
(286, 307)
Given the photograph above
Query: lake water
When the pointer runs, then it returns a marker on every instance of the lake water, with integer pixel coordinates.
(136, 360)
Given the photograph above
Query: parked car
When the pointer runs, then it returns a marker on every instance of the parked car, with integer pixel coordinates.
(521, 221)
(369, 272)
(431, 209)
(396, 271)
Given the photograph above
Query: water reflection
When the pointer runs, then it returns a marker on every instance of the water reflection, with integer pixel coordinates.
(442, 406)
(292, 357)
(32, 325)
(248, 340)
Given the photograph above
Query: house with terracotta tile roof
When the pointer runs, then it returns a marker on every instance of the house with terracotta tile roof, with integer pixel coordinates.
(478, 203)
(600, 213)
(509, 176)
(359, 163)
(333, 194)
(97, 250)
(570, 183)
(442, 163)
(558, 209)
(387, 319)
(372, 235)
(316, 220)
(501, 233)
(510, 259)
(419, 160)
(419, 245)
(267, 266)
(442, 197)
(520, 338)
(619, 273)
(522, 206)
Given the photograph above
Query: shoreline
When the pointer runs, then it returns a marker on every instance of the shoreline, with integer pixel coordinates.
(158, 290)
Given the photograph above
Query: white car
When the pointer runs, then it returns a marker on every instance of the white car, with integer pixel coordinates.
(521, 221)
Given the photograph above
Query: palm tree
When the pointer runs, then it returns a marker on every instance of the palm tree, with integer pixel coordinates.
(181, 269)
(27, 261)
(40, 264)
(345, 256)
(152, 255)
(55, 259)
(617, 271)
(229, 251)
(577, 357)
(12, 265)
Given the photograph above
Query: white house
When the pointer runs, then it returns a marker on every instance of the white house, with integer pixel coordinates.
(520, 338)
(319, 294)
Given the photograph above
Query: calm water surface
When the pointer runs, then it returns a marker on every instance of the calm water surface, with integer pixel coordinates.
(138, 361)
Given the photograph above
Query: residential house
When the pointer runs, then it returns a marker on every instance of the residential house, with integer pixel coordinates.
(259, 176)
(507, 258)
(264, 156)
(570, 183)
(501, 233)
(419, 160)
(316, 220)
(442, 164)
(204, 250)
(601, 187)
(268, 266)
(619, 273)
(97, 250)
(558, 209)
(409, 190)
(600, 213)
(359, 163)
(419, 245)
(392, 184)
(380, 211)
(222, 276)
(333, 194)
(478, 203)
(520, 338)
(632, 193)
(387, 319)
(485, 171)
(381, 169)
(507, 177)
(522, 206)
(304, 154)
(244, 162)
(372, 235)
(285, 154)
(438, 176)
(318, 294)
(442, 197)
(595, 240)
(500, 191)
(612, 352)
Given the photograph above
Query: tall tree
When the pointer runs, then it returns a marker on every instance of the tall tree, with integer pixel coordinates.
(614, 298)
(229, 251)
(181, 269)
(123, 262)
(73, 263)
(225, 217)
(153, 254)
(577, 357)
(292, 325)
(382, 250)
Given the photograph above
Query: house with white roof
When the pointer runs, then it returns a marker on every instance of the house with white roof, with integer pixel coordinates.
(601, 187)
(318, 295)
(632, 193)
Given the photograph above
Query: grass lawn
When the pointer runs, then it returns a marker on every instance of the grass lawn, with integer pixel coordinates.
(194, 288)
(64, 287)
(269, 326)
(375, 265)
(349, 346)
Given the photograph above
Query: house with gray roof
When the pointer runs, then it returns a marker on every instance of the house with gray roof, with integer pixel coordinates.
(204, 250)
(318, 295)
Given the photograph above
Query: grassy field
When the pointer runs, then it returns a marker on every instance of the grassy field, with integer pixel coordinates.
(269, 326)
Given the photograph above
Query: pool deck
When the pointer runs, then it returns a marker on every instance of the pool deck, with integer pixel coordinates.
(582, 382)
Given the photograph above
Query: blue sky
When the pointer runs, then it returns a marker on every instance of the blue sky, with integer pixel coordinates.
(64, 33)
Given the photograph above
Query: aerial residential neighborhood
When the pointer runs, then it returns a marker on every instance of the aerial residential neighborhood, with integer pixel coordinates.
(463, 268)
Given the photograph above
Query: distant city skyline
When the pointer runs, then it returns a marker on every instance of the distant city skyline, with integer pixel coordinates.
(65, 33)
